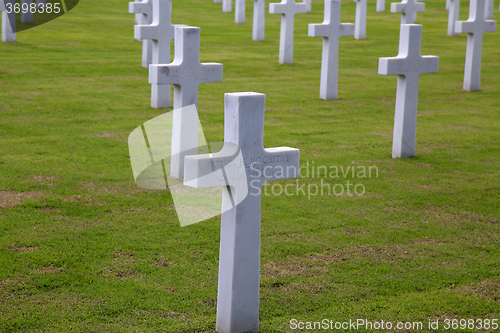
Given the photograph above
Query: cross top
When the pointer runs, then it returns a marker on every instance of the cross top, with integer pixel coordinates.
(409, 61)
(331, 27)
(288, 7)
(408, 10)
(8, 23)
(144, 7)
(2, 6)
(161, 31)
(476, 24)
(186, 70)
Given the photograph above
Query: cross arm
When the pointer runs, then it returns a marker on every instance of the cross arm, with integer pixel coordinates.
(211, 72)
(319, 30)
(215, 170)
(139, 8)
(462, 27)
(274, 8)
(277, 163)
(146, 32)
(165, 74)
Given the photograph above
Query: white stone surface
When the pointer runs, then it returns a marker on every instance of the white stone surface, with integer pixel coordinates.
(448, 2)
(408, 10)
(331, 30)
(475, 27)
(217, 1)
(287, 9)
(380, 7)
(453, 14)
(186, 73)
(8, 23)
(239, 260)
(488, 9)
(259, 20)
(408, 65)
(138, 17)
(239, 11)
(28, 16)
(360, 22)
(309, 5)
(144, 8)
(227, 6)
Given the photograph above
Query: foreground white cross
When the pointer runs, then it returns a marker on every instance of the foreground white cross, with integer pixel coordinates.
(453, 14)
(239, 261)
(331, 30)
(8, 22)
(239, 11)
(145, 9)
(360, 22)
(475, 27)
(161, 32)
(186, 73)
(287, 9)
(380, 7)
(408, 65)
(408, 10)
(259, 20)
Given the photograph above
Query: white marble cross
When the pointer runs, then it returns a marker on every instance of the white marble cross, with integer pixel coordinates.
(408, 10)
(287, 9)
(259, 20)
(145, 9)
(8, 22)
(227, 6)
(408, 65)
(161, 32)
(360, 22)
(239, 11)
(475, 27)
(239, 260)
(186, 73)
(331, 30)
(453, 14)
(380, 7)
(217, 1)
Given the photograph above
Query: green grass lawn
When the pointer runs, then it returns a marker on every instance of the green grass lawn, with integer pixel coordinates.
(83, 249)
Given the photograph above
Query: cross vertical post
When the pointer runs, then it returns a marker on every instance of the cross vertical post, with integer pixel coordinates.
(227, 6)
(8, 22)
(239, 11)
(360, 22)
(380, 7)
(331, 30)
(186, 73)
(239, 261)
(475, 27)
(453, 15)
(259, 20)
(408, 65)
(26, 17)
(287, 9)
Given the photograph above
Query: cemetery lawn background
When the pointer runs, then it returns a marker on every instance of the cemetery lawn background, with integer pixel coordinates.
(83, 249)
